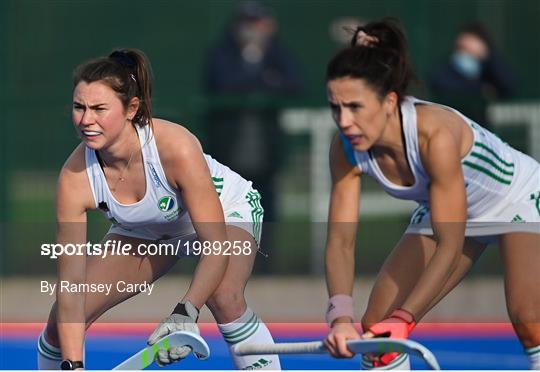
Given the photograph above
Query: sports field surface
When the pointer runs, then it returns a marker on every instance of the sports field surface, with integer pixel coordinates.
(490, 346)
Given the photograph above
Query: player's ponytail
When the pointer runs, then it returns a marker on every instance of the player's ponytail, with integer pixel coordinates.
(378, 54)
(143, 75)
(128, 73)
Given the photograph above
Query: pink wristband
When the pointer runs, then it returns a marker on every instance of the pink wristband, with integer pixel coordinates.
(338, 306)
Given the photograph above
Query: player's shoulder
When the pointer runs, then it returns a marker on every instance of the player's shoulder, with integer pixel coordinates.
(432, 117)
(73, 184)
(75, 165)
(175, 143)
(439, 139)
(438, 126)
(341, 158)
(172, 136)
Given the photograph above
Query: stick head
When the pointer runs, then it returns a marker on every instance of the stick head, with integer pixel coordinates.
(198, 345)
(387, 345)
(147, 356)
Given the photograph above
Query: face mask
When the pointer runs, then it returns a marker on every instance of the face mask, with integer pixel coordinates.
(466, 65)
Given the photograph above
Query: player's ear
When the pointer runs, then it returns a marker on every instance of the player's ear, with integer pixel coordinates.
(390, 102)
(133, 107)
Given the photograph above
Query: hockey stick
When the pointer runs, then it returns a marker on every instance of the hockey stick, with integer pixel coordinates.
(146, 356)
(377, 345)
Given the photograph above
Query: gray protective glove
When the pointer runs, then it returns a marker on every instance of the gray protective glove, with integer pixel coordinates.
(183, 318)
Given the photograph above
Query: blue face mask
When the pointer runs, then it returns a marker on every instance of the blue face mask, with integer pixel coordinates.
(466, 65)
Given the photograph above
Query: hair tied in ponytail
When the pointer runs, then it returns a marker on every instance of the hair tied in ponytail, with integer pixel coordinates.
(123, 58)
(361, 38)
(379, 55)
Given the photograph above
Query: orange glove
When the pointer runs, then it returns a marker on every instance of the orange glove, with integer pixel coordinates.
(399, 325)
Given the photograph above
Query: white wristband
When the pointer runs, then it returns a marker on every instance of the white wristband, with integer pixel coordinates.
(339, 305)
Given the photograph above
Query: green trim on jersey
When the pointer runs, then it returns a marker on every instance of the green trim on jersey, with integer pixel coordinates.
(487, 172)
(491, 164)
(488, 149)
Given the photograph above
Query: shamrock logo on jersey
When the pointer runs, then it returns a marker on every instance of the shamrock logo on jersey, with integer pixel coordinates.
(166, 203)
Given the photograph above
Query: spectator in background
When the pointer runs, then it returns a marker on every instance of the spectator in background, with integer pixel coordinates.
(474, 75)
(248, 73)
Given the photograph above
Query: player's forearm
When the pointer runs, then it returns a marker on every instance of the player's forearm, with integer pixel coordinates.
(212, 263)
(339, 269)
(71, 325)
(208, 275)
(339, 281)
(339, 254)
(70, 306)
(433, 279)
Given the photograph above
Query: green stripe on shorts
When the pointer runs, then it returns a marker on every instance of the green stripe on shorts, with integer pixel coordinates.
(257, 213)
(536, 199)
(218, 184)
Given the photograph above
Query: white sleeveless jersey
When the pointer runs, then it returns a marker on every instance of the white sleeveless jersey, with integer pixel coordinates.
(496, 175)
(161, 213)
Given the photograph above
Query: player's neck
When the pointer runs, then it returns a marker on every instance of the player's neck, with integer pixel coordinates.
(391, 140)
(120, 152)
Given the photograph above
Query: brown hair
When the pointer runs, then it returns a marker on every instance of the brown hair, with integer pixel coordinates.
(128, 73)
(383, 62)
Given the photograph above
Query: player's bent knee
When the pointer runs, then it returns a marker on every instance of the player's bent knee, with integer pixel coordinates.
(51, 335)
(528, 333)
(526, 321)
(524, 315)
(229, 303)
